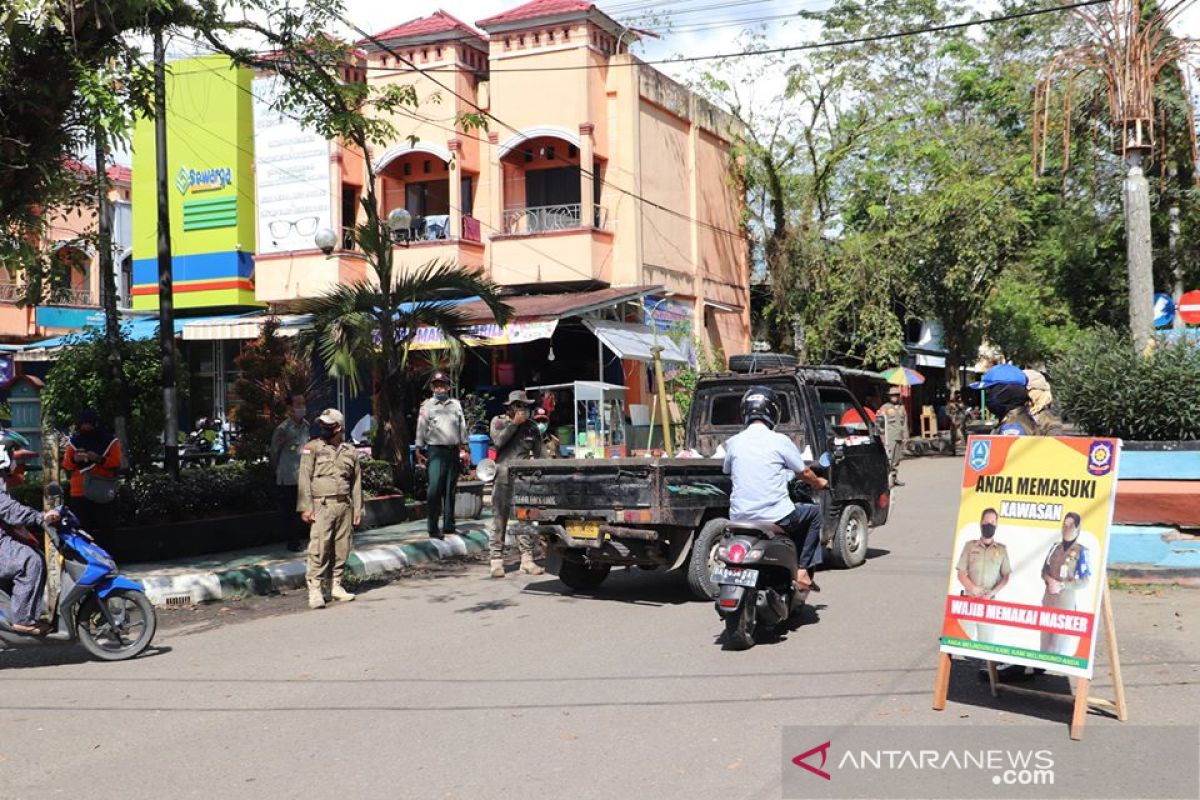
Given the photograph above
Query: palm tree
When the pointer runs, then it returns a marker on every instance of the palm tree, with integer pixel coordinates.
(362, 331)
(1129, 43)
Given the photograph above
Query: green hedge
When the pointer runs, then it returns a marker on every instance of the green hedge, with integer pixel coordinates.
(151, 498)
(1108, 389)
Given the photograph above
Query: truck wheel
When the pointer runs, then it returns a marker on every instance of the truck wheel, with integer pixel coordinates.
(578, 575)
(758, 362)
(703, 559)
(849, 545)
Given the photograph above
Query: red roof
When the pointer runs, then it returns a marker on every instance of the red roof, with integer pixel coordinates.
(438, 22)
(117, 172)
(538, 8)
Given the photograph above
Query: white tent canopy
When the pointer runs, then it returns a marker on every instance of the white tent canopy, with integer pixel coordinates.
(634, 342)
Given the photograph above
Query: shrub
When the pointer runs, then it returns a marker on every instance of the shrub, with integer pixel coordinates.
(1108, 389)
(235, 488)
(80, 379)
(377, 479)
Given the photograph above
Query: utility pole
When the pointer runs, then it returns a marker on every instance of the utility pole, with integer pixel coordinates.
(108, 291)
(1173, 231)
(166, 308)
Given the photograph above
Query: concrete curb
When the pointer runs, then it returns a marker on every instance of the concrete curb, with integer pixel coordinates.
(261, 579)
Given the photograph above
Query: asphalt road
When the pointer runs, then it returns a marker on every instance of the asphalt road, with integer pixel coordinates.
(453, 685)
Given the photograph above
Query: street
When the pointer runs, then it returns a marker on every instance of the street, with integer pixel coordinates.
(459, 686)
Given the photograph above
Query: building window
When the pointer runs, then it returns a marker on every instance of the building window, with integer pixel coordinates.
(427, 198)
(407, 168)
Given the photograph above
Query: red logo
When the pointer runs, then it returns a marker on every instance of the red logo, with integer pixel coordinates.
(823, 749)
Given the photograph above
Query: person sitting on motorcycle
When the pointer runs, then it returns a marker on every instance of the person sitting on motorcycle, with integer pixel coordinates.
(762, 463)
(21, 552)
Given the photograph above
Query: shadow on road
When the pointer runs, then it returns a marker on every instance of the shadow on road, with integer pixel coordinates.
(58, 656)
(633, 586)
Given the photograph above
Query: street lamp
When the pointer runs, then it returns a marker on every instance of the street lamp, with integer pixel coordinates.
(326, 240)
(399, 223)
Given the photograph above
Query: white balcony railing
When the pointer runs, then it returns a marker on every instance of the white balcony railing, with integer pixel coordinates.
(539, 219)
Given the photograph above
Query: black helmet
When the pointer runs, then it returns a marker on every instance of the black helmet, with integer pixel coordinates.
(759, 403)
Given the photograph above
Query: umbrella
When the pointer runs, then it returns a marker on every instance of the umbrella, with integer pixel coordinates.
(903, 376)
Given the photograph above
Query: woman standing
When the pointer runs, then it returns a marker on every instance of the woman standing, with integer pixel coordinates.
(92, 459)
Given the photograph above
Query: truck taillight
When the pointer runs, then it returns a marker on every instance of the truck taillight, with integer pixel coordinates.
(526, 513)
(884, 500)
(636, 516)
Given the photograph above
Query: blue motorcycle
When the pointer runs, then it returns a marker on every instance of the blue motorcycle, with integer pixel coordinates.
(100, 609)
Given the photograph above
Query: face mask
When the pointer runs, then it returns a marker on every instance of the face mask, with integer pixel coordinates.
(987, 530)
(441, 394)
(328, 433)
(299, 412)
(542, 427)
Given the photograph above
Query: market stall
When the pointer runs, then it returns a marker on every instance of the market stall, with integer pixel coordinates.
(588, 417)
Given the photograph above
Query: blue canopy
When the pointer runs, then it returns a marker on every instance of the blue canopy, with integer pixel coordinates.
(136, 329)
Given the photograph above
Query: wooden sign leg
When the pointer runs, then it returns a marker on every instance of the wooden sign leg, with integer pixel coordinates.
(993, 678)
(1079, 717)
(941, 684)
(1114, 656)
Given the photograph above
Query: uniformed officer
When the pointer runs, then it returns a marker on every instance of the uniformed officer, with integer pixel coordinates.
(515, 437)
(1041, 404)
(331, 500)
(1066, 571)
(441, 432)
(983, 569)
(550, 442)
(893, 418)
(286, 443)
(1005, 393)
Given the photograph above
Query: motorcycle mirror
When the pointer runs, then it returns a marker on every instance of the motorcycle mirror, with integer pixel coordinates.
(54, 489)
(485, 470)
(825, 460)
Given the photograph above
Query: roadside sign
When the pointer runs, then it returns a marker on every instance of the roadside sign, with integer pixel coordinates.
(1189, 307)
(1029, 551)
(1164, 310)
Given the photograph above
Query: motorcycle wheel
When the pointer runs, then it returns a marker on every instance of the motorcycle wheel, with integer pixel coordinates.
(739, 626)
(135, 619)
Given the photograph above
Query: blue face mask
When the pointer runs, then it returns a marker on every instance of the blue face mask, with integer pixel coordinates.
(441, 394)
(542, 427)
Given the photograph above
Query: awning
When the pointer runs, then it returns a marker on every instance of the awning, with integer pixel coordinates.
(136, 329)
(242, 328)
(634, 342)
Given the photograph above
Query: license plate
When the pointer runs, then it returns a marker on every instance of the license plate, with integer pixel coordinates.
(583, 530)
(735, 576)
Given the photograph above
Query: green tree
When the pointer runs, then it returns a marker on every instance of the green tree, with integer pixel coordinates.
(1026, 319)
(80, 379)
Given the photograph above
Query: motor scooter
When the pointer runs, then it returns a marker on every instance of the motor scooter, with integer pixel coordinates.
(755, 573)
(98, 608)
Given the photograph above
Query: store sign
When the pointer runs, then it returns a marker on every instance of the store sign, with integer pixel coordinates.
(1030, 550)
(73, 318)
(197, 181)
(292, 176)
(667, 313)
(487, 335)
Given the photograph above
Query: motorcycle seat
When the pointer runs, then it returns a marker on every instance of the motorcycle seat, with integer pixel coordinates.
(751, 526)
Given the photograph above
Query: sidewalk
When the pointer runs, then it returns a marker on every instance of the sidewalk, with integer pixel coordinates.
(272, 568)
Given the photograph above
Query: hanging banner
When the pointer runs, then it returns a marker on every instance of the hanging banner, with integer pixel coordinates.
(488, 335)
(292, 173)
(1029, 556)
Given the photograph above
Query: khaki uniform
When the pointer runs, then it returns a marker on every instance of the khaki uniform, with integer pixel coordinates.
(893, 422)
(985, 565)
(513, 442)
(1067, 564)
(1049, 422)
(330, 487)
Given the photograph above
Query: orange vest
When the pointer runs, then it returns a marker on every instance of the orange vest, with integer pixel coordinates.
(106, 467)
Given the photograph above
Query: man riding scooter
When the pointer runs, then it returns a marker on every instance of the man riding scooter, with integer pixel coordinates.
(21, 551)
(762, 463)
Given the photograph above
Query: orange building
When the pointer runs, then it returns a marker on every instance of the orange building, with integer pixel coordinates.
(72, 307)
(595, 170)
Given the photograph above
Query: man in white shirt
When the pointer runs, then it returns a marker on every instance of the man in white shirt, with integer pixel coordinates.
(762, 464)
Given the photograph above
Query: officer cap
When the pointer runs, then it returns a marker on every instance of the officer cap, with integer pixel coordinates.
(331, 416)
(440, 377)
